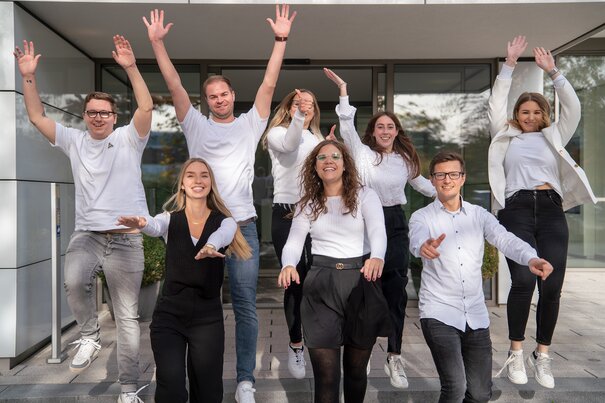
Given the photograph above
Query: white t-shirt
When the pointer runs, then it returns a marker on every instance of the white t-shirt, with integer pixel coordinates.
(107, 175)
(229, 148)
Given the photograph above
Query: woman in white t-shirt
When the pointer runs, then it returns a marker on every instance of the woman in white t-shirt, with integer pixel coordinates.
(292, 134)
(534, 180)
(340, 305)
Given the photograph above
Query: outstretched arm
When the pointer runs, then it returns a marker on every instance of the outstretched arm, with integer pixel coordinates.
(157, 32)
(27, 61)
(281, 28)
(124, 56)
(346, 115)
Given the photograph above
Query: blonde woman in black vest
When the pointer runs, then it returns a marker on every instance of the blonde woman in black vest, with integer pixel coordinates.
(187, 328)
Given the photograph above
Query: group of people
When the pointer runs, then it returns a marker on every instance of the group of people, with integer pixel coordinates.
(338, 230)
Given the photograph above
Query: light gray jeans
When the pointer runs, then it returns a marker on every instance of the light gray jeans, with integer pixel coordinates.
(120, 257)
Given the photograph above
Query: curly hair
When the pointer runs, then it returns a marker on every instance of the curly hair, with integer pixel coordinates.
(542, 104)
(402, 144)
(313, 194)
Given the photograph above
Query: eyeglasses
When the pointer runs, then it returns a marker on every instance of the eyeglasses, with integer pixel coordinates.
(441, 175)
(103, 114)
(333, 157)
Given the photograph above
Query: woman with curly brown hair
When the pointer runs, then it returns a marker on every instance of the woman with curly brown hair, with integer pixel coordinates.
(337, 212)
(387, 161)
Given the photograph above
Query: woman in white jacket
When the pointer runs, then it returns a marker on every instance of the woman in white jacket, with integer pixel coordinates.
(534, 180)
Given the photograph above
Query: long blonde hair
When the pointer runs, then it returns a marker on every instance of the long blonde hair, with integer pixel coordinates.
(177, 202)
(282, 116)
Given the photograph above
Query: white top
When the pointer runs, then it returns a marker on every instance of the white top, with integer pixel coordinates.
(451, 289)
(529, 163)
(389, 177)
(158, 227)
(336, 235)
(229, 149)
(288, 149)
(107, 175)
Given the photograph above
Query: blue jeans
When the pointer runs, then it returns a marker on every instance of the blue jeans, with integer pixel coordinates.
(243, 277)
(463, 361)
(120, 258)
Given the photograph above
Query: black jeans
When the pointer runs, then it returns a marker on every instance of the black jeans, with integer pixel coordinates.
(536, 216)
(463, 361)
(187, 331)
(395, 272)
(280, 228)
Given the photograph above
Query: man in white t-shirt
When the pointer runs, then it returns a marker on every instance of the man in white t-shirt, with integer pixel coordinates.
(106, 167)
(229, 144)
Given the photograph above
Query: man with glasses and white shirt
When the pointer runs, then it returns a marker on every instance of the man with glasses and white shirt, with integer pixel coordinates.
(449, 236)
(106, 167)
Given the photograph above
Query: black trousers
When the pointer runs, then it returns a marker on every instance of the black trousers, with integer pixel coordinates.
(187, 331)
(395, 273)
(280, 228)
(536, 216)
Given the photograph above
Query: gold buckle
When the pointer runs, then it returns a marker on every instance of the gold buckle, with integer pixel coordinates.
(340, 266)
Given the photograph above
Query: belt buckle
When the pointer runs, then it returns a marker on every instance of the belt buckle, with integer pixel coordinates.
(340, 266)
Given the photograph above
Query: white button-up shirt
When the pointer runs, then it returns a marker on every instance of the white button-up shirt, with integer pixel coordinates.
(451, 290)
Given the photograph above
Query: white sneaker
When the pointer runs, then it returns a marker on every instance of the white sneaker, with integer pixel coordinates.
(245, 392)
(515, 369)
(394, 370)
(541, 368)
(131, 397)
(87, 351)
(296, 361)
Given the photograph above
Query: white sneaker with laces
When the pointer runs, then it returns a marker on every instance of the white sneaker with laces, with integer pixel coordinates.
(515, 369)
(541, 368)
(296, 361)
(87, 351)
(245, 392)
(131, 397)
(394, 369)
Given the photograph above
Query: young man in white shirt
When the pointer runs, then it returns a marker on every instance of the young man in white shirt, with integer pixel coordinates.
(449, 236)
(228, 144)
(106, 167)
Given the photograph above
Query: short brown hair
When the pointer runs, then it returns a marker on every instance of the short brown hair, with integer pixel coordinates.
(214, 79)
(542, 104)
(102, 96)
(445, 156)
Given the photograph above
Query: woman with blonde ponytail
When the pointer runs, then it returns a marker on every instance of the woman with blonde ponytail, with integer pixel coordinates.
(187, 329)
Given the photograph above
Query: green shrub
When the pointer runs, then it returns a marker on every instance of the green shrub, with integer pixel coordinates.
(490, 261)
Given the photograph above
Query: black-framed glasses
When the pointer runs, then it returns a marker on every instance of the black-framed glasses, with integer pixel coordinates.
(104, 114)
(333, 157)
(453, 175)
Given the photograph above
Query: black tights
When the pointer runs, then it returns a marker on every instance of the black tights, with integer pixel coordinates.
(326, 371)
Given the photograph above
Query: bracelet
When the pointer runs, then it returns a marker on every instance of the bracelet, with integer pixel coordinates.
(513, 61)
(281, 38)
(553, 72)
(341, 84)
(209, 245)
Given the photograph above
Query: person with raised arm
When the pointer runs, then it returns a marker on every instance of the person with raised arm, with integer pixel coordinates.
(534, 180)
(342, 302)
(229, 143)
(187, 330)
(106, 167)
(449, 236)
(292, 134)
(387, 161)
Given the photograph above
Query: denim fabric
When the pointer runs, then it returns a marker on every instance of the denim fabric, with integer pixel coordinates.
(537, 217)
(243, 278)
(463, 361)
(120, 258)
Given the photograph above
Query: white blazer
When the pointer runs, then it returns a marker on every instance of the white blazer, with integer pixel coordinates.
(574, 183)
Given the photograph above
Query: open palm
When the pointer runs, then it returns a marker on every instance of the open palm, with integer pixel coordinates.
(27, 60)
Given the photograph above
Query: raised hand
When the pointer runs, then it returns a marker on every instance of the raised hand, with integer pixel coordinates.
(27, 59)
(544, 59)
(372, 268)
(515, 49)
(331, 136)
(287, 276)
(304, 105)
(334, 77)
(123, 55)
(283, 21)
(156, 31)
(429, 247)
(540, 268)
(133, 221)
(208, 251)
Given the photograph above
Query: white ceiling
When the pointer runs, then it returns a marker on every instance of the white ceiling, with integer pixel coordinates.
(389, 30)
